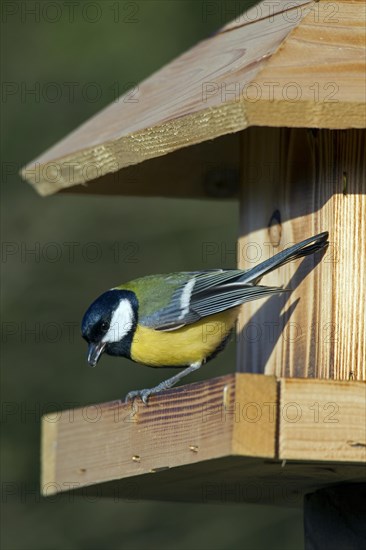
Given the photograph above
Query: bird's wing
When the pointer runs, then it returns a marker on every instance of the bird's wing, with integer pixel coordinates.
(199, 295)
(191, 296)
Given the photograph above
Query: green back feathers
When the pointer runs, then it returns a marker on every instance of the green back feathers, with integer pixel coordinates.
(155, 292)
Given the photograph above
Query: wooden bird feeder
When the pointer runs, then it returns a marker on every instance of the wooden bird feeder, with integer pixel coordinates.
(269, 110)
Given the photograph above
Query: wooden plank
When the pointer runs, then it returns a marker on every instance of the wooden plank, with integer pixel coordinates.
(214, 441)
(322, 421)
(189, 424)
(230, 480)
(49, 448)
(297, 183)
(316, 79)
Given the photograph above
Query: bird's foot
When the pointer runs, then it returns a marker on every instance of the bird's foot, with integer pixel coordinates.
(145, 394)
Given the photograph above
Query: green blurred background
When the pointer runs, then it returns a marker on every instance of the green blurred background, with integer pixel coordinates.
(100, 47)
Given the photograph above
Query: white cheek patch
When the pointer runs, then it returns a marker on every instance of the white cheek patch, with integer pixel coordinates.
(121, 322)
(185, 298)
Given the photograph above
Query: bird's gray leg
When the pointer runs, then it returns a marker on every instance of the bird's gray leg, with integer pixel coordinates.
(169, 383)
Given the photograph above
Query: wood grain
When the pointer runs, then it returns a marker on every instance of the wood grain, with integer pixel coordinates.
(221, 86)
(221, 440)
(316, 78)
(320, 422)
(297, 183)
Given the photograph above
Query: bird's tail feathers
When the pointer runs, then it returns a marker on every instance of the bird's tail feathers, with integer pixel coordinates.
(304, 248)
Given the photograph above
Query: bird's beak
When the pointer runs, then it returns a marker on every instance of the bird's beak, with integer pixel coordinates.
(94, 353)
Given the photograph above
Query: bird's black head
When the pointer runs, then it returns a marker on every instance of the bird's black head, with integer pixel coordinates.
(109, 324)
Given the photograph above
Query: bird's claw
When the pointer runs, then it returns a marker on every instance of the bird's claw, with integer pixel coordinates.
(143, 394)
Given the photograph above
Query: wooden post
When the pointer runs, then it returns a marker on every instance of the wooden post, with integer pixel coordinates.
(297, 183)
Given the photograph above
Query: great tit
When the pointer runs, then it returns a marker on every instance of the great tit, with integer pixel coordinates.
(178, 319)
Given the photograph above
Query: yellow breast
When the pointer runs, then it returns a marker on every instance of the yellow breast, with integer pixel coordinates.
(183, 346)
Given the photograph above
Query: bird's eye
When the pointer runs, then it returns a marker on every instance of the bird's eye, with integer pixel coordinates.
(104, 326)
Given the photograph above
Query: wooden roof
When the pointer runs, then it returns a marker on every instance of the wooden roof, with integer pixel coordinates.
(299, 66)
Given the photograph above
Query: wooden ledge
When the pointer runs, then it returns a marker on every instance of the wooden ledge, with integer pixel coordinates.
(239, 437)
